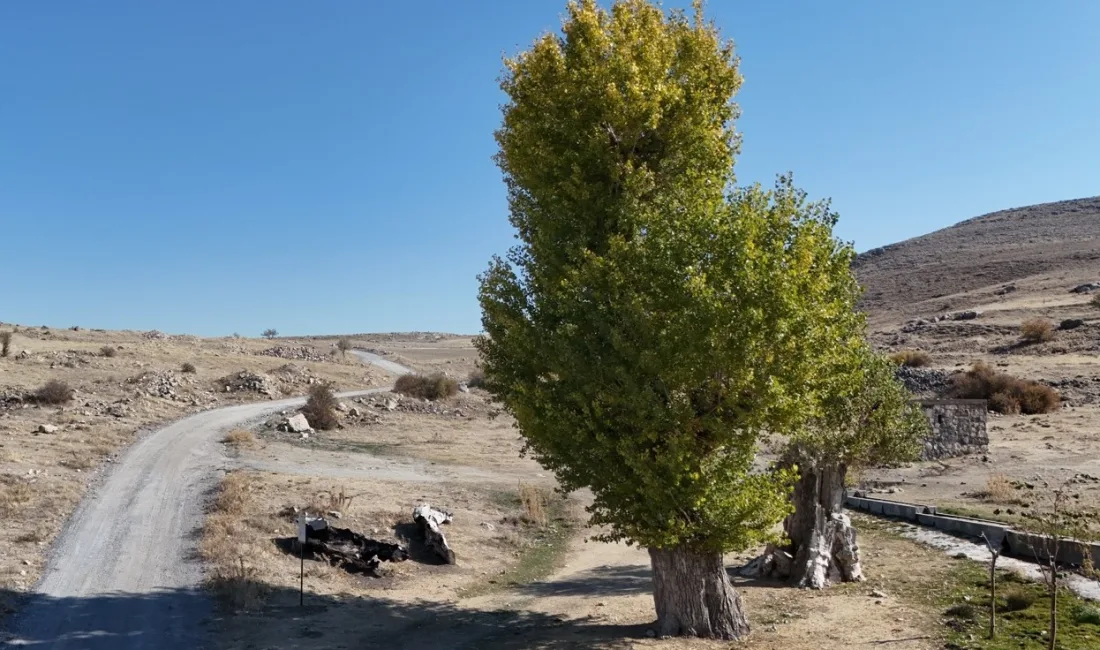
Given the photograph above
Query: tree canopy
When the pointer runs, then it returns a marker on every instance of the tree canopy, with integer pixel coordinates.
(654, 323)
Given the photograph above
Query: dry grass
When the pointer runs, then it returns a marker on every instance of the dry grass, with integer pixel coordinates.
(1036, 330)
(431, 387)
(911, 358)
(1006, 394)
(998, 489)
(54, 392)
(108, 351)
(15, 494)
(336, 500)
(320, 408)
(237, 586)
(240, 438)
(534, 500)
(233, 494)
(77, 461)
(188, 367)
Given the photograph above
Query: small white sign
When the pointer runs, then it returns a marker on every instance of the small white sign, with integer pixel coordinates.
(302, 527)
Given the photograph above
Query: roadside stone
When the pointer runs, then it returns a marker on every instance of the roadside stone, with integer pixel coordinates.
(354, 412)
(1071, 324)
(1088, 287)
(298, 424)
(47, 428)
(342, 407)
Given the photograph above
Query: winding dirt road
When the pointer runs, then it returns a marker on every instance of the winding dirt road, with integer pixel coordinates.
(124, 573)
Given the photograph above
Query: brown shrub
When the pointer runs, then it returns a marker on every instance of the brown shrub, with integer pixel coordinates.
(1017, 600)
(476, 379)
(343, 345)
(337, 500)
(1036, 330)
(240, 438)
(5, 343)
(1006, 394)
(54, 392)
(434, 386)
(320, 408)
(1004, 403)
(107, 351)
(188, 367)
(911, 358)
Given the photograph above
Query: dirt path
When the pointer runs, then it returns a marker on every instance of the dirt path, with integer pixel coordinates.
(123, 573)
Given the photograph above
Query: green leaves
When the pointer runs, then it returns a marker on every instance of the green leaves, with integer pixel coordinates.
(650, 329)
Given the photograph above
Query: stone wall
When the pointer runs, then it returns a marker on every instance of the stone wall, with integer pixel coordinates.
(958, 427)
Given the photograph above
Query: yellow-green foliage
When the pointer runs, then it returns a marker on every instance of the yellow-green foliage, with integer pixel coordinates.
(650, 328)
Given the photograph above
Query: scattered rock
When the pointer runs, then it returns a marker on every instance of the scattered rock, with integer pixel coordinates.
(248, 381)
(1088, 287)
(878, 593)
(342, 407)
(463, 388)
(354, 412)
(300, 353)
(47, 428)
(1007, 289)
(154, 335)
(1070, 324)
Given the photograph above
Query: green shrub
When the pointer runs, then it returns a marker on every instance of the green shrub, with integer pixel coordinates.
(434, 386)
(1017, 600)
(270, 333)
(1086, 615)
(1006, 394)
(964, 611)
(320, 408)
(107, 351)
(54, 392)
(1037, 330)
(911, 358)
(343, 345)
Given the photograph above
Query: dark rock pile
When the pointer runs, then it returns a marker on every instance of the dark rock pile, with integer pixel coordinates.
(925, 382)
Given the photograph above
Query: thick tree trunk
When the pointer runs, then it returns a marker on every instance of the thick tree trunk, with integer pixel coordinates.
(822, 547)
(694, 596)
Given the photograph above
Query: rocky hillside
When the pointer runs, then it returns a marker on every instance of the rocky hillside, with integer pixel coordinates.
(970, 262)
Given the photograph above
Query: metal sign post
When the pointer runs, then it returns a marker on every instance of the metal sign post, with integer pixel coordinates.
(302, 554)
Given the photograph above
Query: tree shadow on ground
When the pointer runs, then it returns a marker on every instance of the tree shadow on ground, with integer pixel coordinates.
(190, 618)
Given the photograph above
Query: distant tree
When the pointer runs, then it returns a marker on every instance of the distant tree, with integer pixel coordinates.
(270, 333)
(343, 345)
(5, 343)
(650, 329)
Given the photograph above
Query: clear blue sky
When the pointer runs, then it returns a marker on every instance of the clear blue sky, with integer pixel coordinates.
(325, 167)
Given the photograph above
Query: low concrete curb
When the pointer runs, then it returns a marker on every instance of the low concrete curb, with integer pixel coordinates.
(1012, 542)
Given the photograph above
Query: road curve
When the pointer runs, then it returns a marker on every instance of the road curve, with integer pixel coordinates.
(124, 573)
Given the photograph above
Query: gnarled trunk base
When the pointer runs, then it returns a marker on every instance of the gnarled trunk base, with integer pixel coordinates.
(822, 548)
(694, 596)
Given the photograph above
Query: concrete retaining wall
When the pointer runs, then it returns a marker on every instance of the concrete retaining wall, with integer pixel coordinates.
(1018, 544)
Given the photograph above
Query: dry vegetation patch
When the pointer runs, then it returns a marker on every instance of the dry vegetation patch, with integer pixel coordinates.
(240, 438)
(912, 358)
(431, 387)
(1006, 394)
(1037, 330)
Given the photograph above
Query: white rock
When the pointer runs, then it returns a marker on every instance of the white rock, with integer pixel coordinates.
(298, 424)
(340, 406)
(47, 428)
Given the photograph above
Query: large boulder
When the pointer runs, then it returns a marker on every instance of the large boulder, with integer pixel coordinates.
(1088, 287)
(298, 424)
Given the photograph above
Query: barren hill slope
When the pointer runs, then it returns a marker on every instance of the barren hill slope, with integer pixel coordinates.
(976, 257)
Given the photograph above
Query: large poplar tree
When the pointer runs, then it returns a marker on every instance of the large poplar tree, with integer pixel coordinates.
(653, 324)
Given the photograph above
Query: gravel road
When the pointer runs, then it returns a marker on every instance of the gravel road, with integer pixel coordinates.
(124, 573)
